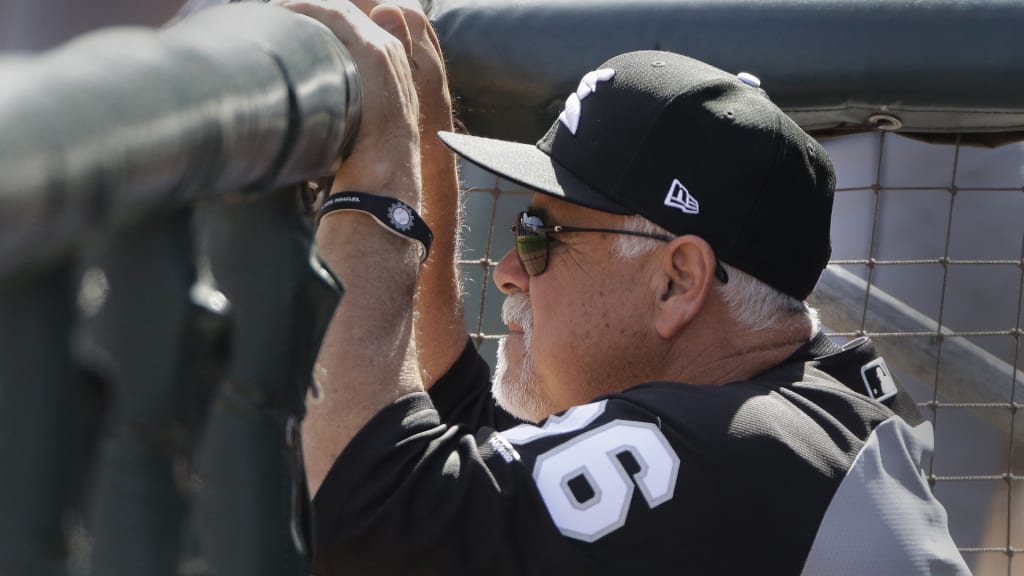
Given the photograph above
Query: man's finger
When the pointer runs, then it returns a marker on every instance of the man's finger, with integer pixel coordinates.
(390, 18)
(415, 18)
(346, 21)
(368, 5)
(341, 17)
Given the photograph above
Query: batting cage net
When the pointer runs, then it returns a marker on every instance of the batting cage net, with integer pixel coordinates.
(928, 240)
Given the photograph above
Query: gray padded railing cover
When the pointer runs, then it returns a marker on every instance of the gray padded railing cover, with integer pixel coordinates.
(938, 66)
(125, 122)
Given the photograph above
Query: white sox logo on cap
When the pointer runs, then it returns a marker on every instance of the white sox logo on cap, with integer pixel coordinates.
(570, 117)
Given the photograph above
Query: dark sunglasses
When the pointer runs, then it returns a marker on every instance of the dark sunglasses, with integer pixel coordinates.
(533, 245)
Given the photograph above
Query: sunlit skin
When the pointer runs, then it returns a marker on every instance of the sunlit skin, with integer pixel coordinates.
(602, 323)
(592, 313)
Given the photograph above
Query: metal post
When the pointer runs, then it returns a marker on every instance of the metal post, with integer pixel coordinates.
(158, 342)
(38, 421)
(252, 514)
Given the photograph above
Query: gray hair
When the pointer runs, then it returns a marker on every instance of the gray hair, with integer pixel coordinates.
(752, 303)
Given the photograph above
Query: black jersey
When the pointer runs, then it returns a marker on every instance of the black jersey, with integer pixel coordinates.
(796, 471)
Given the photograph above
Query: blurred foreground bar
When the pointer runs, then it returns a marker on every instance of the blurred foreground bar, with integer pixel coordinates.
(114, 337)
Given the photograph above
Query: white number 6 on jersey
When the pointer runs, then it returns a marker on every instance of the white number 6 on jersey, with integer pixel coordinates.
(593, 457)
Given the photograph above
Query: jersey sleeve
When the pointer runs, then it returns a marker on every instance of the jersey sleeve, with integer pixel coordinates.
(413, 495)
(462, 396)
(663, 478)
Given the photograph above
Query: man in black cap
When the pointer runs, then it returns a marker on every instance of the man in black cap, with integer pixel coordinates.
(665, 402)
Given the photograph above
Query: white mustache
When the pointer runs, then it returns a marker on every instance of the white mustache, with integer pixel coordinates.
(517, 310)
(515, 387)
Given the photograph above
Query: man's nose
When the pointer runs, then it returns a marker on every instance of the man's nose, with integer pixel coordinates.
(509, 275)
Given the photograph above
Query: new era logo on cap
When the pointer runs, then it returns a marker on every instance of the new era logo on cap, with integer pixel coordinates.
(679, 197)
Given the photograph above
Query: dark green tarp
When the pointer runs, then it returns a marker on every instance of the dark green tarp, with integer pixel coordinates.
(936, 66)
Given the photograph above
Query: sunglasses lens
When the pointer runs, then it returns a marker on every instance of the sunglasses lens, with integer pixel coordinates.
(531, 245)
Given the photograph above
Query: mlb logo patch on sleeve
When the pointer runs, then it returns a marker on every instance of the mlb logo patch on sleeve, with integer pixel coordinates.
(878, 381)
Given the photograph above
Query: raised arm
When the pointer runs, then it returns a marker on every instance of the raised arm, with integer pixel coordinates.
(368, 356)
(440, 325)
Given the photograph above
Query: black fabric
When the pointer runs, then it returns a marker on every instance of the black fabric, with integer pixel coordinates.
(462, 398)
(758, 463)
(844, 363)
(832, 66)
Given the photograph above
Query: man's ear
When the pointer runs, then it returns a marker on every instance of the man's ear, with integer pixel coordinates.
(685, 280)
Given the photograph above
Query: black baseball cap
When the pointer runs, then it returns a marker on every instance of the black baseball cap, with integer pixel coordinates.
(691, 148)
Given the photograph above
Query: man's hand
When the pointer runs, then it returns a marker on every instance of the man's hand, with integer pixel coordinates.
(388, 140)
(424, 56)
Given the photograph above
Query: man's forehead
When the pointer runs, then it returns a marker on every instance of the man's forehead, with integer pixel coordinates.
(547, 206)
(541, 204)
